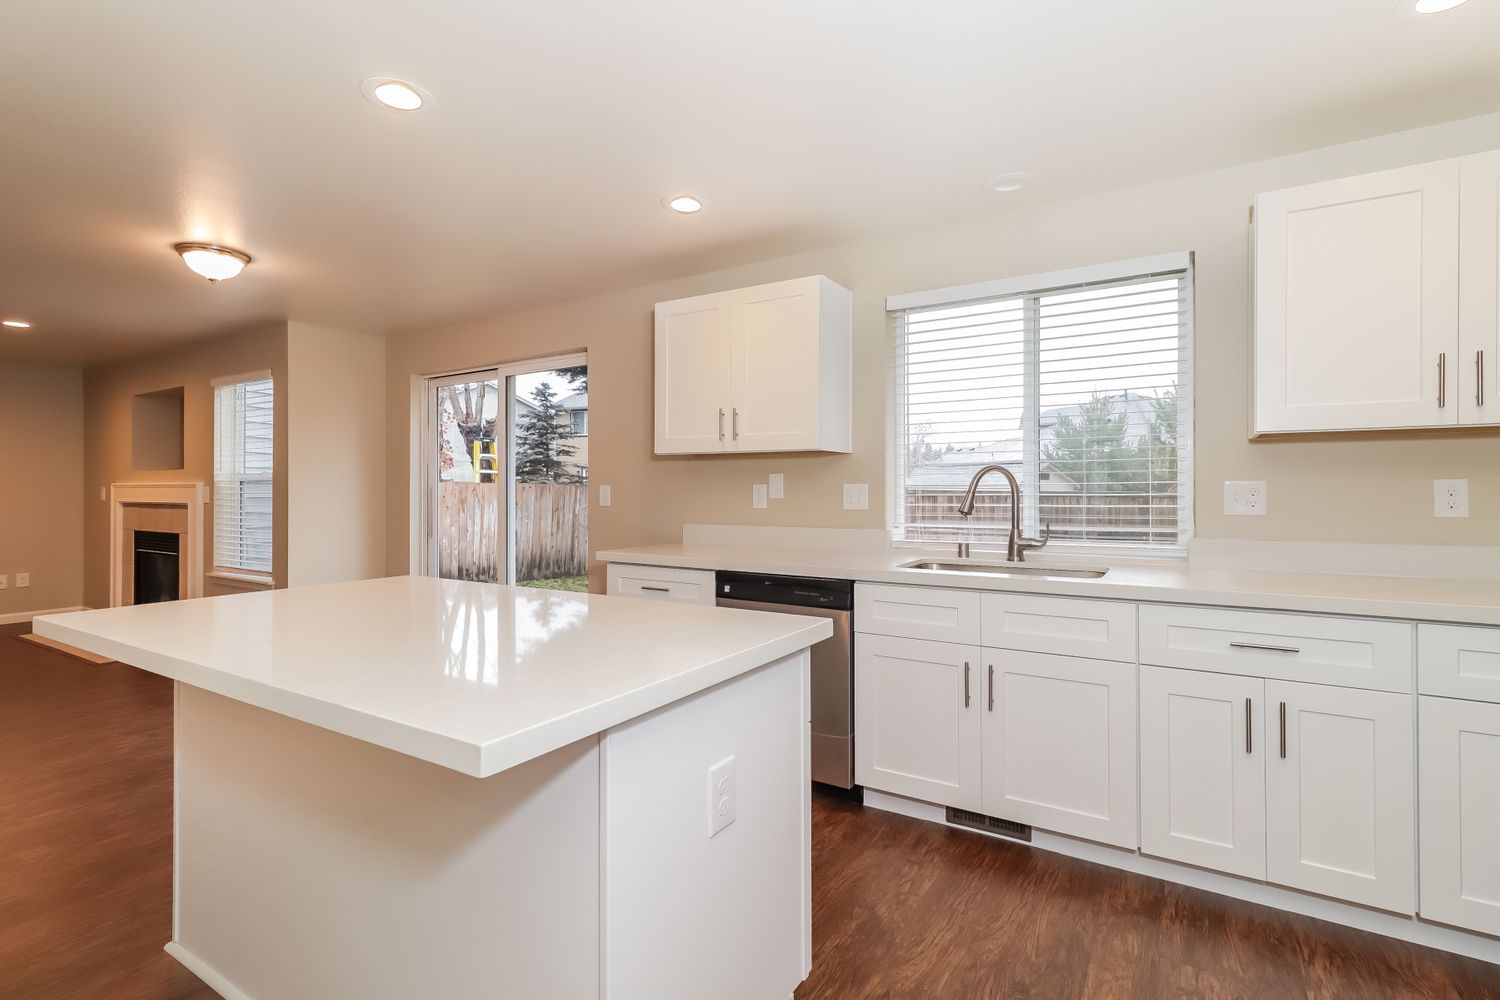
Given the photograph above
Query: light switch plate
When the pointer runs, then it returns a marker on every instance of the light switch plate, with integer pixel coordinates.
(758, 495)
(23, 580)
(856, 496)
(1450, 498)
(721, 795)
(605, 498)
(1246, 497)
(4, 581)
(777, 482)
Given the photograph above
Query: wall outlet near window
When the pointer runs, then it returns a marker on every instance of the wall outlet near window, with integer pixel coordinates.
(605, 497)
(4, 581)
(856, 496)
(758, 495)
(777, 482)
(1246, 497)
(1450, 498)
(23, 580)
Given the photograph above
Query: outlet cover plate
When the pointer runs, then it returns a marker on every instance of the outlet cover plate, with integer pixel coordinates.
(721, 795)
(1450, 498)
(856, 496)
(1246, 497)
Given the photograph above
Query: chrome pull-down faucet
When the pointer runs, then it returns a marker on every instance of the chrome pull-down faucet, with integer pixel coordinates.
(1017, 544)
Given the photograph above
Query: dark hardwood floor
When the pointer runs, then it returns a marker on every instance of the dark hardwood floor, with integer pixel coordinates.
(902, 908)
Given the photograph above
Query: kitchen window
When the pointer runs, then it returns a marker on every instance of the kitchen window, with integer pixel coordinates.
(1079, 382)
(244, 425)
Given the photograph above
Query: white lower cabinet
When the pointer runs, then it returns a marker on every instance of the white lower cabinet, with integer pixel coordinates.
(1340, 795)
(1460, 810)
(1203, 769)
(1059, 744)
(917, 710)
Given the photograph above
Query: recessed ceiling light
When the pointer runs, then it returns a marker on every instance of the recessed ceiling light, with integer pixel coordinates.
(212, 261)
(397, 95)
(1013, 181)
(685, 204)
(15, 324)
(1412, 10)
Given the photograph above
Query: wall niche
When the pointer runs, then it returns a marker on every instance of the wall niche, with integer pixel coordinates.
(156, 431)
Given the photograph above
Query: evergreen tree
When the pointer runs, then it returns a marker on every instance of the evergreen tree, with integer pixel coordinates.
(1092, 448)
(1161, 441)
(542, 436)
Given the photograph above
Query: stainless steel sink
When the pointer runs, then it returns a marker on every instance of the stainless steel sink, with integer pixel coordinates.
(1004, 569)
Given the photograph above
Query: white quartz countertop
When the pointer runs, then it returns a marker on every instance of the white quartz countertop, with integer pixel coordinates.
(475, 677)
(1466, 601)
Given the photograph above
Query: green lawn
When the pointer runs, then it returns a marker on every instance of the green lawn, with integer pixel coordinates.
(579, 584)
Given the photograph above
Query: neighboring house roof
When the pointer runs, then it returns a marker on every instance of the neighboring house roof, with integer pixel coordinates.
(576, 401)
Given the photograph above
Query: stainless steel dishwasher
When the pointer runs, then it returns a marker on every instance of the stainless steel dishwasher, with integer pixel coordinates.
(832, 659)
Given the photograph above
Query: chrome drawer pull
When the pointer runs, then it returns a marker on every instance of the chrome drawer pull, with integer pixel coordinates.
(658, 590)
(1249, 737)
(1442, 380)
(992, 687)
(966, 684)
(1283, 730)
(1264, 646)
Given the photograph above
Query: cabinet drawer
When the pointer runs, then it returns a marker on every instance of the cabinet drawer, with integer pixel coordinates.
(1459, 662)
(1344, 652)
(1104, 630)
(917, 612)
(662, 583)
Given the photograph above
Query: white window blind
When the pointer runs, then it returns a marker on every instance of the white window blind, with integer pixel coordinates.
(1082, 388)
(243, 436)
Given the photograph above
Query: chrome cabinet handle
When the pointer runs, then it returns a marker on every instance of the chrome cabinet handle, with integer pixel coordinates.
(735, 423)
(1442, 379)
(1249, 736)
(658, 590)
(966, 684)
(1283, 730)
(1478, 378)
(721, 423)
(1266, 647)
(992, 687)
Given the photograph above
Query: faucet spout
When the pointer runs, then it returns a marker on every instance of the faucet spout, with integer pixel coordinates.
(1017, 543)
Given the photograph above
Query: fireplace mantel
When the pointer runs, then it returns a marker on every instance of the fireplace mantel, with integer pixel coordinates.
(186, 495)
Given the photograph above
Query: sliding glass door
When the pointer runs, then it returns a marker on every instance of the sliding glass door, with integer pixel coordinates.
(506, 461)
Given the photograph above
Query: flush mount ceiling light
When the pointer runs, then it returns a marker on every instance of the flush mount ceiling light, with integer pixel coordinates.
(397, 95)
(1003, 183)
(212, 261)
(684, 204)
(1411, 10)
(15, 324)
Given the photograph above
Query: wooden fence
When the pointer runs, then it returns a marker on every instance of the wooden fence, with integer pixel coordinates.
(551, 536)
(1126, 517)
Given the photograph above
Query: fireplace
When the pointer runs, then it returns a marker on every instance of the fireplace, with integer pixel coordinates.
(157, 557)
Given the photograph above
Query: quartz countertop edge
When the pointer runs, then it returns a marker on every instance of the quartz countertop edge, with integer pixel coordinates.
(1468, 602)
(478, 758)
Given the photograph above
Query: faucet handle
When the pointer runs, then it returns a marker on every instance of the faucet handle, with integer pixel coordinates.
(1036, 543)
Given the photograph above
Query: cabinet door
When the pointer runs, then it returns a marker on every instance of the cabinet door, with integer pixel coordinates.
(1339, 793)
(1203, 770)
(916, 719)
(1059, 744)
(1460, 764)
(1479, 289)
(775, 371)
(692, 374)
(1356, 302)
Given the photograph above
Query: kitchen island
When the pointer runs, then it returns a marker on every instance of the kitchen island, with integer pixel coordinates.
(415, 787)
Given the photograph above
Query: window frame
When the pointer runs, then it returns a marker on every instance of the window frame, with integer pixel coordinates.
(1038, 284)
(221, 569)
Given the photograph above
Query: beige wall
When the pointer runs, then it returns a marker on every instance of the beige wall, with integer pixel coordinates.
(108, 394)
(41, 487)
(335, 419)
(1377, 489)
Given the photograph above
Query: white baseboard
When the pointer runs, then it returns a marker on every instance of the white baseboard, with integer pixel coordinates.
(1422, 562)
(205, 972)
(16, 617)
(1393, 925)
(771, 537)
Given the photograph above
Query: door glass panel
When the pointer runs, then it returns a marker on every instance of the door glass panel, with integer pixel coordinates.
(550, 494)
(468, 480)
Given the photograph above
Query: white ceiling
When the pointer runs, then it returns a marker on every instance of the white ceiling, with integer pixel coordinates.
(556, 129)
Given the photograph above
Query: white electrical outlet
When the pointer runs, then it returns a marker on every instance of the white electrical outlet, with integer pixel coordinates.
(758, 495)
(777, 482)
(101, 493)
(23, 580)
(1246, 497)
(1450, 498)
(604, 496)
(721, 795)
(856, 496)
(4, 581)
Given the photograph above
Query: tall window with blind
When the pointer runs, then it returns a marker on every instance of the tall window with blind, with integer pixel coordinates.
(243, 437)
(1079, 382)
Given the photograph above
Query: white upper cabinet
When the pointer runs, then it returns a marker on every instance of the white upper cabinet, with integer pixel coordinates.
(1356, 303)
(1479, 289)
(760, 369)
